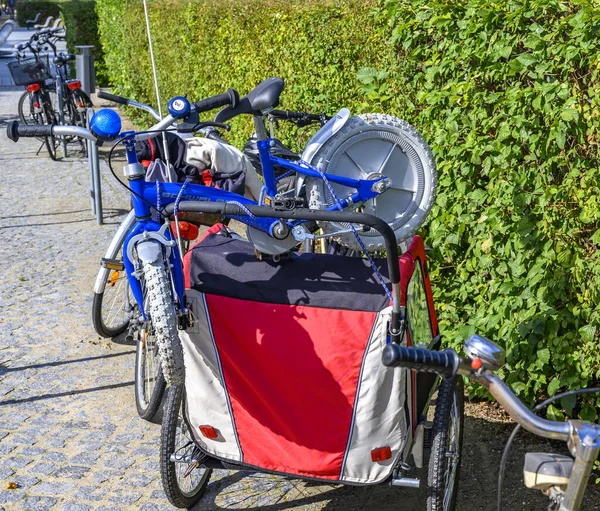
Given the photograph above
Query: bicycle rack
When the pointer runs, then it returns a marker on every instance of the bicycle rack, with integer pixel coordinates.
(94, 164)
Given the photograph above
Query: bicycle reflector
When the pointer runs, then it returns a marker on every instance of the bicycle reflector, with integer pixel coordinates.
(208, 431)
(33, 87)
(74, 84)
(381, 454)
(105, 124)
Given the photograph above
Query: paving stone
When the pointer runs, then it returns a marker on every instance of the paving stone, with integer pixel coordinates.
(42, 468)
(39, 503)
(16, 462)
(91, 493)
(74, 506)
(10, 496)
(71, 472)
(6, 472)
(119, 462)
(54, 488)
(25, 482)
(31, 451)
(87, 458)
(55, 456)
(7, 448)
(127, 498)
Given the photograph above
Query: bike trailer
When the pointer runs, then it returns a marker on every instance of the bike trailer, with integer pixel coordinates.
(283, 361)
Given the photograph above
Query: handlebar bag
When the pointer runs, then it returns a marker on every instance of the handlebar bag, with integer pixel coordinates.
(283, 363)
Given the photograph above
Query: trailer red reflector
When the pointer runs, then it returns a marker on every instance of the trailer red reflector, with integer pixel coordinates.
(33, 87)
(208, 431)
(381, 454)
(74, 84)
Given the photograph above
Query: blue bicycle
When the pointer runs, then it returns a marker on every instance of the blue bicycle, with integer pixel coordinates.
(278, 223)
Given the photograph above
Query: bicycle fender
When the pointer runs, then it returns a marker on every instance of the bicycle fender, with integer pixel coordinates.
(145, 243)
(332, 126)
(112, 252)
(320, 138)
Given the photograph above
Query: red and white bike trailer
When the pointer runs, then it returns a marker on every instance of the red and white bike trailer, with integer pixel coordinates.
(284, 373)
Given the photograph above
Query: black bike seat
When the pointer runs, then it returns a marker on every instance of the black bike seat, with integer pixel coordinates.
(63, 58)
(265, 96)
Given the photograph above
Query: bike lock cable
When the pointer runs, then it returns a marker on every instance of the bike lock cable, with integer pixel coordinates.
(512, 436)
(360, 242)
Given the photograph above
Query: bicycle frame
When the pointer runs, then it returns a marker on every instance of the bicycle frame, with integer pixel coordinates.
(163, 194)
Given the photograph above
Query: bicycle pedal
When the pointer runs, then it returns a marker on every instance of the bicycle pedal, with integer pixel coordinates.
(112, 264)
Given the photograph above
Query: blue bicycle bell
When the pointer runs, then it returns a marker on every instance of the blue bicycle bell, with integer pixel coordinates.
(178, 107)
(105, 124)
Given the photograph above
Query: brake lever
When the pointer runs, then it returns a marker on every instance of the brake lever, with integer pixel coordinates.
(212, 124)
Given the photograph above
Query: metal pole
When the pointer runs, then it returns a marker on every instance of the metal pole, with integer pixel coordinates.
(61, 113)
(95, 176)
(90, 165)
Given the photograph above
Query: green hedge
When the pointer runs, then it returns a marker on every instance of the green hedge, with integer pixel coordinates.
(507, 95)
(81, 21)
(27, 10)
(204, 47)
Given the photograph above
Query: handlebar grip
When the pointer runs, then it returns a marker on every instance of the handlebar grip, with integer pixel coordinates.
(231, 97)
(445, 363)
(14, 130)
(113, 97)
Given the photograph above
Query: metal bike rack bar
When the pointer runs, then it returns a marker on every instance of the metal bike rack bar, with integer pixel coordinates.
(95, 184)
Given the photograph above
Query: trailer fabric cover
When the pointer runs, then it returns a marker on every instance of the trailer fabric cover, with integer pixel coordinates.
(291, 379)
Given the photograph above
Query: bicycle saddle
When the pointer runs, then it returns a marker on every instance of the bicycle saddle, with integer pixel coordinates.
(264, 97)
(63, 58)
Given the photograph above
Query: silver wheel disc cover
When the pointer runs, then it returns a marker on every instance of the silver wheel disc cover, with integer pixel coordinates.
(371, 145)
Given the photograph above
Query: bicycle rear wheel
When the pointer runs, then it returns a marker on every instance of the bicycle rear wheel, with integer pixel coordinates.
(444, 461)
(183, 481)
(52, 142)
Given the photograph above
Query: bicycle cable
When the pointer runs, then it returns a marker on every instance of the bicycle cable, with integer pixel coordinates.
(110, 155)
(512, 436)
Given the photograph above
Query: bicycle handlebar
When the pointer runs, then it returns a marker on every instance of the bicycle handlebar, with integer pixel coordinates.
(448, 363)
(14, 130)
(129, 102)
(113, 97)
(445, 363)
(231, 97)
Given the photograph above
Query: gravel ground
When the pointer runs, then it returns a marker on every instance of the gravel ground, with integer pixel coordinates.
(70, 437)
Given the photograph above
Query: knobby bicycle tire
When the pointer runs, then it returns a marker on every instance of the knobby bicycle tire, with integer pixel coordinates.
(448, 426)
(161, 310)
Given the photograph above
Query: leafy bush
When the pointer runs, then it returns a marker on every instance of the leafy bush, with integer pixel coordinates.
(27, 10)
(81, 21)
(204, 47)
(508, 95)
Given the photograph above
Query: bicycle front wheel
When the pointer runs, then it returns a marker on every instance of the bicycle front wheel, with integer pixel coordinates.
(112, 308)
(184, 479)
(160, 308)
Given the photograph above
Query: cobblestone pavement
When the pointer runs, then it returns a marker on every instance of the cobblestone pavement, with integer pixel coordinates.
(70, 437)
